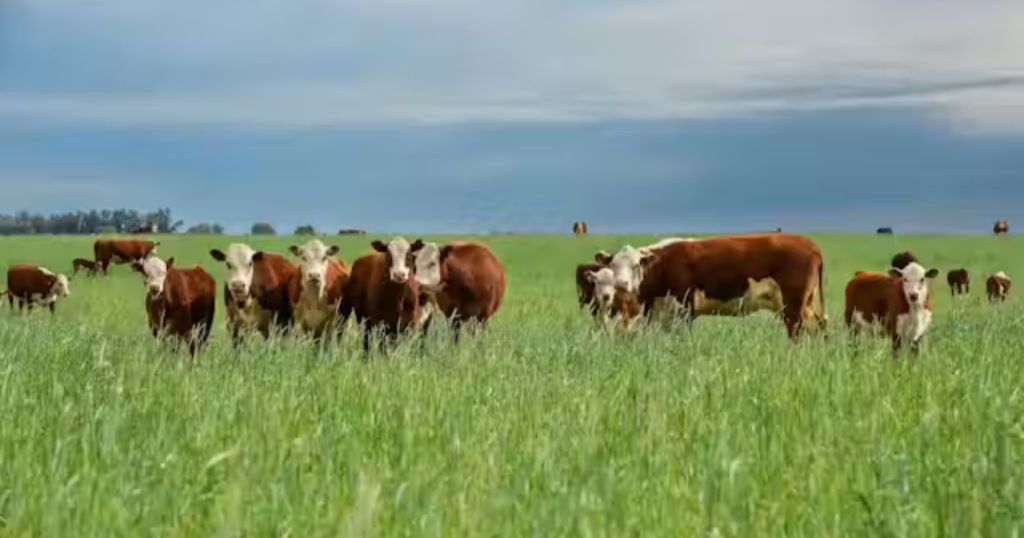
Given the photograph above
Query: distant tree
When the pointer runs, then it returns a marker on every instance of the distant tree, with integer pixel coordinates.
(306, 229)
(263, 228)
(201, 228)
(218, 229)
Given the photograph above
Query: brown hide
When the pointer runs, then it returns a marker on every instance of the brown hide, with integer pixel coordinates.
(959, 281)
(25, 281)
(185, 309)
(378, 301)
(1001, 227)
(473, 282)
(879, 298)
(337, 277)
(720, 268)
(120, 251)
(271, 278)
(998, 288)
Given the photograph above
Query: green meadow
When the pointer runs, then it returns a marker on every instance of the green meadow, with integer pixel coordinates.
(545, 425)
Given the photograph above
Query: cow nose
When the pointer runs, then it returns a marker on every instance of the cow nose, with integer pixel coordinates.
(238, 287)
(621, 285)
(400, 276)
(913, 297)
(314, 278)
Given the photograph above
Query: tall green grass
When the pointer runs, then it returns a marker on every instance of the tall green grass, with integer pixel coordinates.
(543, 426)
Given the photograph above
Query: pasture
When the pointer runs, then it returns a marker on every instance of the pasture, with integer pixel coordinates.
(544, 426)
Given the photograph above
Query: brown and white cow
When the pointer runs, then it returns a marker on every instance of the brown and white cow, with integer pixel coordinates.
(579, 227)
(179, 302)
(903, 259)
(82, 264)
(959, 281)
(998, 287)
(121, 251)
(722, 268)
(382, 290)
(256, 290)
(32, 284)
(900, 301)
(1001, 227)
(462, 281)
(316, 292)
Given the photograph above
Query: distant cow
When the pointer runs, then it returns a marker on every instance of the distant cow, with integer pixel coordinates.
(382, 290)
(82, 264)
(256, 290)
(721, 268)
(462, 281)
(903, 259)
(351, 232)
(32, 284)
(885, 230)
(579, 227)
(314, 295)
(959, 281)
(998, 287)
(901, 301)
(1001, 227)
(179, 302)
(121, 251)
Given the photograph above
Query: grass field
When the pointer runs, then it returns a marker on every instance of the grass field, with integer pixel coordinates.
(542, 427)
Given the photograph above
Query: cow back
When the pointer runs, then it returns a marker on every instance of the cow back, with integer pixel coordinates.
(474, 281)
(26, 280)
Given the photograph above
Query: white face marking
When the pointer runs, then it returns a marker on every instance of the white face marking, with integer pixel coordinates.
(626, 267)
(604, 286)
(915, 284)
(238, 259)
(399, 250)
(155, 271)
(428, 266)
(60, 288)
(313, 260)
(1001, 274)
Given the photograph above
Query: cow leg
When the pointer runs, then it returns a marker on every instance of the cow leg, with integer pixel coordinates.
(456, 329)
(897, 343)
(52, 308)
(367, 336)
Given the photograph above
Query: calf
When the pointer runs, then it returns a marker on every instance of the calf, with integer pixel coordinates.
(179, 302)
(959, 281)
(462, 281)
(315, 293)
(900, 301)
(382, 290)
(82, 264)
(34, 284)
(121, 251)
(256, 291)
(998, 287)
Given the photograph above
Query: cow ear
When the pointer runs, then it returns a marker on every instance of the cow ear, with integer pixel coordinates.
(379, 246)
(332, 250)
(647, 258)
(257, 256)
(932, 273)
(170, 263)
(218, 255)
(445, 251)
(296, 251)
(895, 273)
(416, 246)
(603, 258)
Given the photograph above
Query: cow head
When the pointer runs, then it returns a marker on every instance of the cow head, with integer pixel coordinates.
(401, 257)
(314, 257)
(154, 273)
(604, 286)
(915, 279)
(239, 260)
(59, 289)
(628, 266)
(429, 262)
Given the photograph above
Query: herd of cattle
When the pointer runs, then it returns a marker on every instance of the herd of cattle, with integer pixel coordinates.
(402, 285)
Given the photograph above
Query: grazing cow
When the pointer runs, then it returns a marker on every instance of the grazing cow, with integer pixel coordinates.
(959, 281)
(462, 281)
(179, 302)
(998, 287)
(886, 230)
(721, 268)
(34, 284)
(82, 264)
(901, 301)
(1001, 227)
(315, 293)
(256, 290)
(579, 227)
(121, 251)
(903, 259)
(382, 290)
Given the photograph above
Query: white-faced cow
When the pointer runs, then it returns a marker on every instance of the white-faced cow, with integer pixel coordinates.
(316, 292)
(179, 302)
(461, 281)
(32, 284)
(900, 301)
(256, 290)
(998, 287)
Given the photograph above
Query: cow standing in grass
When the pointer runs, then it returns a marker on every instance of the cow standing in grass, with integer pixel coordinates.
(121, 251)
(256, 290)
(316, 291)
(900, 301)
(32, 284)
(959, 281)
(461, 281)
(179, 302)
(998, 287)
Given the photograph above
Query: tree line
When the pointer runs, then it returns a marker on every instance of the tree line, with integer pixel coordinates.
(111, 221)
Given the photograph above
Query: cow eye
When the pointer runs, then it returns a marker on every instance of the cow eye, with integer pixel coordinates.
(230, 266)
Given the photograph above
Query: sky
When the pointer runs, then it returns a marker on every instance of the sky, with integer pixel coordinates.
(463, 116)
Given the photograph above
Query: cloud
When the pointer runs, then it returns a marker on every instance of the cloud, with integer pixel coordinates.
(322, 63)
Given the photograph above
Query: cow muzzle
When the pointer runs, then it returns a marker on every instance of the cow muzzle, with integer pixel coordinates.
(400, 276)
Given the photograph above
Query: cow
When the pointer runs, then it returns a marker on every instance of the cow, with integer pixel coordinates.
(900, 301)
(884, 231)
(179, 302)
(121, 251)
(998, 287)
(579, 227)
(721, 268)
(382, 290)
(462, 281)
(315, 293)
(1001, 227)
(32, 284)
(82, 264)
(959, 281)
(903, 259)
(256, 292)
(351, 232)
